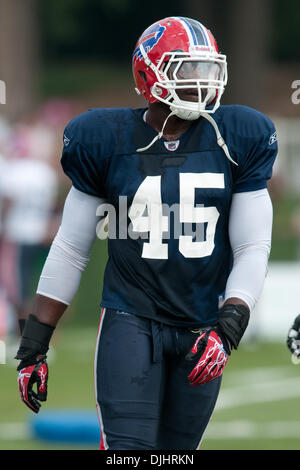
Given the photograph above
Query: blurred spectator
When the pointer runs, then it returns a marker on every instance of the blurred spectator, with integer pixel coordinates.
(5, 308)
(5, 132)
(29, 187)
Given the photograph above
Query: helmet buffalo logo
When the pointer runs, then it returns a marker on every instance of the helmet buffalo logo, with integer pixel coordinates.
(149, 40)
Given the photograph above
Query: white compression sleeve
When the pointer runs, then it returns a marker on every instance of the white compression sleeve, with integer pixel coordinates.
(250, 231)
(70, 250)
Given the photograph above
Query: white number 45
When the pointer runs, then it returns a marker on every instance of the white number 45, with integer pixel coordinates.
(148, 200)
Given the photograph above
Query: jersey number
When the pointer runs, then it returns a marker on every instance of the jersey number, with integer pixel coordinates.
(146, 214)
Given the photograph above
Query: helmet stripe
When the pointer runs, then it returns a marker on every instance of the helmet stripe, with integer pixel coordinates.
(204, 32)
(198, 39)
(190, 32)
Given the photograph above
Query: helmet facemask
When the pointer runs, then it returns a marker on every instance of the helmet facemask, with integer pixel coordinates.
(202, 75)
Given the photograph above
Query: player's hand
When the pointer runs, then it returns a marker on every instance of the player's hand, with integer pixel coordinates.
(210, 355)
(30, 375)
(293, 340)
(33, 368)
(213, 345)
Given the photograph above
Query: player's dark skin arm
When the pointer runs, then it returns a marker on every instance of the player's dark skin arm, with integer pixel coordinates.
(235, 301)
(48, 310)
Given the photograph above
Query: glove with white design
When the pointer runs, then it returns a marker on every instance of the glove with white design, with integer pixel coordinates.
(27, 377)
(293, 340)
(210, 355)
(33, 368)
(213, 345)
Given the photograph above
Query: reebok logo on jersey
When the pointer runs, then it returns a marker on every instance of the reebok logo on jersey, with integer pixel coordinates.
(66, 141)
(273, 138)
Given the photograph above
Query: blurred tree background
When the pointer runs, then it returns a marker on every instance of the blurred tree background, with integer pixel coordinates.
(81, 50)
(81, 46)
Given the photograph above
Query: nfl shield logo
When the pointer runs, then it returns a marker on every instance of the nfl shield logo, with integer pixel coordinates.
(172, 145)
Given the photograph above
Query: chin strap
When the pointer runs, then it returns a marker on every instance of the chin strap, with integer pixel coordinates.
(220, 140)
(159, 135)
(208, 117)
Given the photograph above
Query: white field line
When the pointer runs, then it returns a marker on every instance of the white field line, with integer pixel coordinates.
(259, 374)
(259, 393)
(10, 431)
(251, 430)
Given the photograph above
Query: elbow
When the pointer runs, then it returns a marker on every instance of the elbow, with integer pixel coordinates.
(260, 247)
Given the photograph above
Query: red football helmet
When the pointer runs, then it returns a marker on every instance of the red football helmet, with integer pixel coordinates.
(177, 54)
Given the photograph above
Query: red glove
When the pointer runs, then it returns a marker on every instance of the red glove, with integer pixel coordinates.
(27, 377)
(33, 368)
(210, 355)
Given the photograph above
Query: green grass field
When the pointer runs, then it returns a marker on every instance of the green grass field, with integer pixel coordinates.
(258, 407)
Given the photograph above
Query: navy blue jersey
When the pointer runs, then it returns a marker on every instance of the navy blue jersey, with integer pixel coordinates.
(173, 263)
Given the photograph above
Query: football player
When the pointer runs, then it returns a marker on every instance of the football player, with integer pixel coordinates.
(183, 277)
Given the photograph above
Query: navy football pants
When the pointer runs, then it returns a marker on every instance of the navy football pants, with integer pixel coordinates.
(144, 399)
